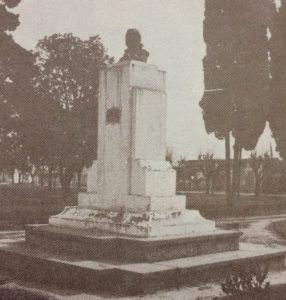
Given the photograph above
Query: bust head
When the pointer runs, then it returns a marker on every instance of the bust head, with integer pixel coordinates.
(134, 49)
(133, 39)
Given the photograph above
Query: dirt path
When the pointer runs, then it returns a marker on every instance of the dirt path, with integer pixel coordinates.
(261, 232)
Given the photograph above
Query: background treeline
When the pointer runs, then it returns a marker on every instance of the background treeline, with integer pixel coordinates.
(259, 174)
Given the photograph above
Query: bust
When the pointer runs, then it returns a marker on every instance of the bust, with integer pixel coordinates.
(134, 49)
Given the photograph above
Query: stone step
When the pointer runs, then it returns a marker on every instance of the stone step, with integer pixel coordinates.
(101, 245)
(114, 277)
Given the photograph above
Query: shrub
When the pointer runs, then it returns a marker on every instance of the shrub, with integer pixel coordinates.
(247, 283)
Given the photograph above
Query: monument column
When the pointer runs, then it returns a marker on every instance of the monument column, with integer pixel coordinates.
(131, 188)
(131, 170)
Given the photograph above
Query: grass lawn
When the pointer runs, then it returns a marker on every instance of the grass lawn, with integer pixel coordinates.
(215, 206)
(23, 204)
(14, 292)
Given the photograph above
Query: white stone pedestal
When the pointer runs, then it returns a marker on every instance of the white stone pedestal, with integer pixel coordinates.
(131, 188)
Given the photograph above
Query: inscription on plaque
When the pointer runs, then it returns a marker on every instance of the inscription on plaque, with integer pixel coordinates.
(113, 115)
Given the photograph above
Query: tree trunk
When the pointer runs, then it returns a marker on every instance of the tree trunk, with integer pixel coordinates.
(238, 173)
(41, 178)
(235, 174)
(54, 180)
(229, 199)
(61, 175)
(78, 179)
(19, 177)
(207, 184)
(13, 177)
(66, 175)
(32, 179)
(257, 188)
(212, 186)
(257, 183)
(50, 178)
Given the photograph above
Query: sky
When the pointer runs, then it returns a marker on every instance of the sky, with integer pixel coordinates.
(172, 31)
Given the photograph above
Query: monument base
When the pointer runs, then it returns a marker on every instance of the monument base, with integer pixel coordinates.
(91, 244)
(112, 277)
(144, 224)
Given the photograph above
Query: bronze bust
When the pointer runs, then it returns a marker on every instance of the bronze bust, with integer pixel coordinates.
(134, 49)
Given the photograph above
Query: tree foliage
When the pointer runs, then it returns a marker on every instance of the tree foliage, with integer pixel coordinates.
(8, 20)
(236, 68)
(236, 73)
(64, 128)
(15, 71)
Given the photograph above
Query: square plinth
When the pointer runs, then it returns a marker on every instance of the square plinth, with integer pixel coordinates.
(140, 224)
(92, 244)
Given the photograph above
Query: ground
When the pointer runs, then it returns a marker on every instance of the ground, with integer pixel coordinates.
(258, 231)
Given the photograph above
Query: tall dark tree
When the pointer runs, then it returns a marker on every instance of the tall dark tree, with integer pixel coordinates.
(236, 70)
(66, 83)
(277, 115)
(15, 61)
(15, 71)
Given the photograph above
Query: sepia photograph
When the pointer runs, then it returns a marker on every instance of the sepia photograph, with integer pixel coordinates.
(142, 149)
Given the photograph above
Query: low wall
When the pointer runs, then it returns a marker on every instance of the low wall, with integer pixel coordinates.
(215, 206)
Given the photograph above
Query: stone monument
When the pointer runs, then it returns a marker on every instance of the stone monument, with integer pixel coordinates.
(131, 188)
(130, 232)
